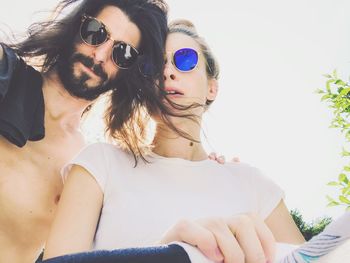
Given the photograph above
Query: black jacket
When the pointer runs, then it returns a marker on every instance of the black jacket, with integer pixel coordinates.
(21, 100)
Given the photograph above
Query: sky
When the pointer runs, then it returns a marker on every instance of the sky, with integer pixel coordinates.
(272, 56)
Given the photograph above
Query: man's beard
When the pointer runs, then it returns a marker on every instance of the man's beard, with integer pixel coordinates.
(77, 86)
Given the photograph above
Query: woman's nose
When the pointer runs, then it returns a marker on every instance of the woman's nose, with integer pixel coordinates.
(169, 71)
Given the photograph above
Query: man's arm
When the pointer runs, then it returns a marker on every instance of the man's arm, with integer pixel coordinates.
(325, 246)
(1, 53)
(3, 63)
(169, 253)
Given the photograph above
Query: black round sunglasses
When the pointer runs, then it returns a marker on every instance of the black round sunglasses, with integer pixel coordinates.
(94, 33)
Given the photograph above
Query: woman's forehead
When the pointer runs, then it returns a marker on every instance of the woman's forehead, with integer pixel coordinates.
(179, 40)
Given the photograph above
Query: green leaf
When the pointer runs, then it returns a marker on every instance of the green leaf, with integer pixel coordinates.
(333, 183)
(325, 97)
(320, 91)
(342, 178)
(330, 199)
(334, 203)
(344, 92)
(340, 89)
(327, 76)
(328, 85)
(344, 199)
(346, 191)
(345, 152)
(346, 168)
(339, 82)
(348, 208)
(335, 74)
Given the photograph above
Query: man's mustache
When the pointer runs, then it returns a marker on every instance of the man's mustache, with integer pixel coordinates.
(89, 63)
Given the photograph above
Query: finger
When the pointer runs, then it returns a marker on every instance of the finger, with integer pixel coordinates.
(266, 237)
(235, 160)
(244, 230)
(212, 156)
(226, 241)
(195, 235)
(221, 159)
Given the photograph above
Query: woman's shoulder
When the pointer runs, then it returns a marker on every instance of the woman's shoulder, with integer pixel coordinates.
(107, 153)
(240, 168)
(265, 190)
(103, 147)
(247, 172)
(99, 159)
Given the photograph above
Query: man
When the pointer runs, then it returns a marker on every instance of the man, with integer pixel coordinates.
(40, 113)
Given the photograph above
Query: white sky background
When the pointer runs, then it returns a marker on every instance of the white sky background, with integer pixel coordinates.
(272, 55)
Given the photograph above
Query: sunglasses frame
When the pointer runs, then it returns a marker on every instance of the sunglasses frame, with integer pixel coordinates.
(173, 60)
(108, 37)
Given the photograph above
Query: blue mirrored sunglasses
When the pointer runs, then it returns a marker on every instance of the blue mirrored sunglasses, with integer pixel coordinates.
(184, 60)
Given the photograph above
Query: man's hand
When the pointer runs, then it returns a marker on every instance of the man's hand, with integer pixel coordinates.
(238, 239)
(221, 159)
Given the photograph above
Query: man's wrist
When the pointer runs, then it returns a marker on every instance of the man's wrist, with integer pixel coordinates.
(3, 60)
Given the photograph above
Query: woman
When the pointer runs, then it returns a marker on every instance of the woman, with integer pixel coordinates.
(109, 203)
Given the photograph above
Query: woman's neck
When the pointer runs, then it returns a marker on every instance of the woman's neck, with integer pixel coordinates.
(168, 143)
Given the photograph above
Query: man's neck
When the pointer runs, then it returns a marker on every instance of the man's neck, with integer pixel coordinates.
(60, 106)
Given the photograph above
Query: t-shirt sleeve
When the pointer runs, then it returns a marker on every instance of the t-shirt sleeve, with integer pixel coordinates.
(93, 159)
(267, 193)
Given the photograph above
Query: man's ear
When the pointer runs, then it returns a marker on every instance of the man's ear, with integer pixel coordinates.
(213, 87)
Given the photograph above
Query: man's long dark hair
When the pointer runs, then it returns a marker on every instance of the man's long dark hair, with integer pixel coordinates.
(133, 93)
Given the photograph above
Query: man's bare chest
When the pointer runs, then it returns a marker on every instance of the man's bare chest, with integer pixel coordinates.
(31, 184)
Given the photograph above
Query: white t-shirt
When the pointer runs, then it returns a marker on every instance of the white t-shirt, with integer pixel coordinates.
(140, 203)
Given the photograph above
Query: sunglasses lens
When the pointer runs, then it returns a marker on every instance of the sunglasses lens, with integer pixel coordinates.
(124, 55)
(146, 69)
(93, 32)
(186, 59)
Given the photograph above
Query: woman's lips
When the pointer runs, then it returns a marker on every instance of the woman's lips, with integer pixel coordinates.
(173, 92)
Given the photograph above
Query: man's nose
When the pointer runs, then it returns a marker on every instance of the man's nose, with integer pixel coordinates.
(103, 52)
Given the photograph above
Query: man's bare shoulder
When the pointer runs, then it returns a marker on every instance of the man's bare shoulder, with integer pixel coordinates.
(80, 141)
(1, 53)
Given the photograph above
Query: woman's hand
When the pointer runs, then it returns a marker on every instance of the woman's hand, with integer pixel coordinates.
(239, 239)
